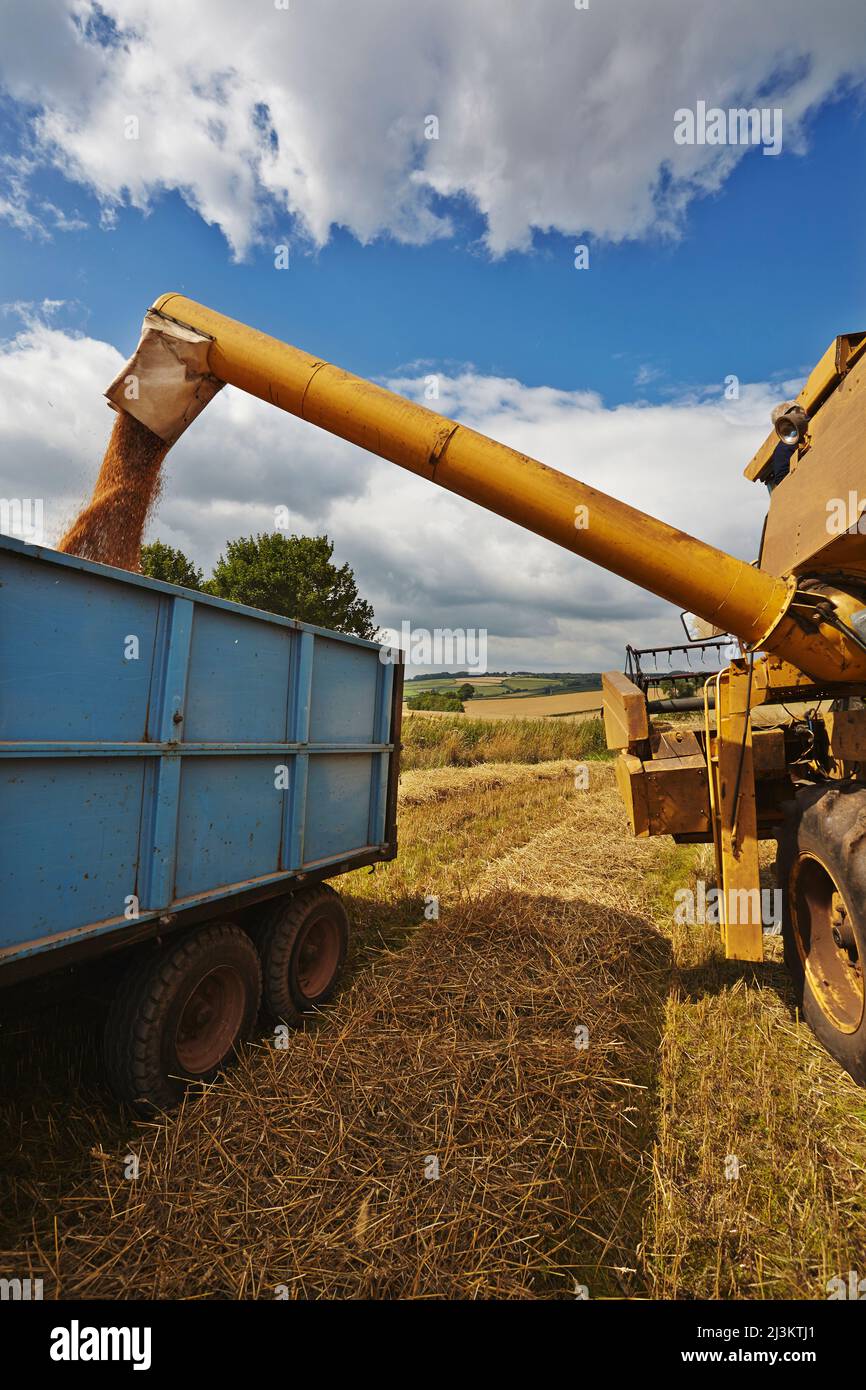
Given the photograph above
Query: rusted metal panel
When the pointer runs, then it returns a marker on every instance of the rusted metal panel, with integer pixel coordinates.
(674, 743)
(631, 782)
(626, 721)
(768, 752)
(677, 796)
(665, 796)
(846, 732)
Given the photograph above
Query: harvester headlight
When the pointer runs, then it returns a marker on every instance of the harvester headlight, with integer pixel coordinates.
(790, 422)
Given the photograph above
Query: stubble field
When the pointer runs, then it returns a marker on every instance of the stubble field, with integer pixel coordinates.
(446, 1127)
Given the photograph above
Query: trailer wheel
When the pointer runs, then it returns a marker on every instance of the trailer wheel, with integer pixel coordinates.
(821, 869)
(303, 946)
(179, 1016)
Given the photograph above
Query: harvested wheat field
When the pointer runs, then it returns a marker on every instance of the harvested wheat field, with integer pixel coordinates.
(581, 704)
(437, 1132)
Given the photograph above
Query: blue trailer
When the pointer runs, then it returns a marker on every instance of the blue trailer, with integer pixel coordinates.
(171, 760)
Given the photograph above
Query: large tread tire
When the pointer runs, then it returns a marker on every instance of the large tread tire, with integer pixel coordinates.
(295, 979)
(825, 833)
(143, 1044)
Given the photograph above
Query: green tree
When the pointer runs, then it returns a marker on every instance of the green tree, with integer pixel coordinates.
(465, 691)
(161, 561)
(435, 699)
(293, 576)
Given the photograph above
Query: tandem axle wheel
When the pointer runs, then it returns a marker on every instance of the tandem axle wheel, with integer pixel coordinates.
(180, 1014)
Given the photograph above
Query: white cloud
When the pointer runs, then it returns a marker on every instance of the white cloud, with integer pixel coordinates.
(419, 553)
(549, 116)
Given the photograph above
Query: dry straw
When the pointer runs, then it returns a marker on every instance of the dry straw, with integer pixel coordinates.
(439, 1132)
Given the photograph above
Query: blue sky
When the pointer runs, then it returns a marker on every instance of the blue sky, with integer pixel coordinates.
(453, 256)
(765, 273)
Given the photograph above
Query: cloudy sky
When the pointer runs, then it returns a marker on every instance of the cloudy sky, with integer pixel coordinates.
(156, 145)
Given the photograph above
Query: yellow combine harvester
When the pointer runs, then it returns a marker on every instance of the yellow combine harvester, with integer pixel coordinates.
(799, 616)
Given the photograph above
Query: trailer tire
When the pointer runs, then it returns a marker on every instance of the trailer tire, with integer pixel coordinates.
(821, 870)
(179, 1016)
(303, 945)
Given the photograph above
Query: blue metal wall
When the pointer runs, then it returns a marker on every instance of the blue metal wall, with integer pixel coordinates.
(230, 750)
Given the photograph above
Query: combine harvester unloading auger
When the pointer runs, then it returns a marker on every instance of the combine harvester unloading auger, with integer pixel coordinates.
(799, 616)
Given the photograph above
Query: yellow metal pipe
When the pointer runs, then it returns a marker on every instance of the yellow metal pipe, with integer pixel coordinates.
(725, 591)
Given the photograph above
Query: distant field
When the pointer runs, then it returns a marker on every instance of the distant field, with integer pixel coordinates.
(577, 705)
(431, 683)
(495, 687)
(491, 685)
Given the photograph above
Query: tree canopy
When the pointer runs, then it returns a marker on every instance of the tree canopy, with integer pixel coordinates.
(161, 561)
(436, 700)
(291, 575)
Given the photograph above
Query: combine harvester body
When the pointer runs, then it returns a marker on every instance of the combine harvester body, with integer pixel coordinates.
(799, 617)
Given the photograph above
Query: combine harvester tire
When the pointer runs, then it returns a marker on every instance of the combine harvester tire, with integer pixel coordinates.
(821, 870)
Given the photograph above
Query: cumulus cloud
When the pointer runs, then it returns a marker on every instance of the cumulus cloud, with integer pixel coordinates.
(420, 554)
(549, 117)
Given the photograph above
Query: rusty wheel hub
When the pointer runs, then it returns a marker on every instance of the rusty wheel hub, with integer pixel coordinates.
(210, 1021)
(318, 955)
(827, 944)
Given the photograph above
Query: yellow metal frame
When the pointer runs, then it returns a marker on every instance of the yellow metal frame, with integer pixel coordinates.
(735, 597)
(731, 773)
